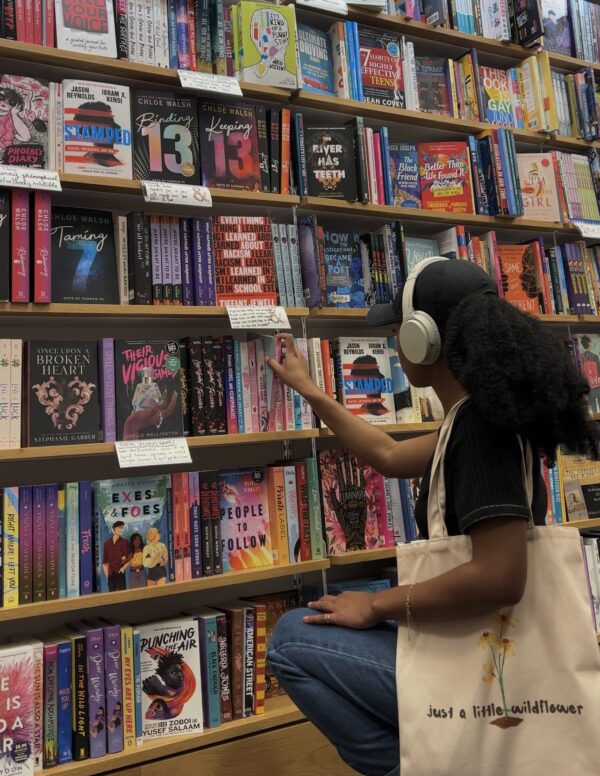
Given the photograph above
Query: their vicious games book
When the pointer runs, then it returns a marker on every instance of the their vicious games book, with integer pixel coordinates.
(245, 530)
(131, 533)
(170, 677)
(23, 121)
(367, 390)
(83, 257)
(229, 146)
(96, 131)
(165, 129)
(61, 386)
(148, 389)
(330, 162)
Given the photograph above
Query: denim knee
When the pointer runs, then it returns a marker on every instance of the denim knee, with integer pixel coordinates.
(289, 628)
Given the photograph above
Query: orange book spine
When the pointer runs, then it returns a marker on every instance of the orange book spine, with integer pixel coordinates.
(260, 656)
(327, 373)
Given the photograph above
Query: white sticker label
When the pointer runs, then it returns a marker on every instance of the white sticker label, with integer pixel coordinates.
(208, 82)
(176, 194)
(28, 178)
(258, 317)
(153, 452)
(332, 6)
(588, 228)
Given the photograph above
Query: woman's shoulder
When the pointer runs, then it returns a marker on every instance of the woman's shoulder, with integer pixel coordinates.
(472, 427)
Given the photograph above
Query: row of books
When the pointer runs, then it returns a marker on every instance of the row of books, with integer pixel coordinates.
(99, 686)
(561, 26)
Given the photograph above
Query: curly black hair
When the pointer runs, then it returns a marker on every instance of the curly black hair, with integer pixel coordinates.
(519, 376)
(166, 661)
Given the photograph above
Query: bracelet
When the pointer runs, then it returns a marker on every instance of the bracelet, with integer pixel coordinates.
(409, 618)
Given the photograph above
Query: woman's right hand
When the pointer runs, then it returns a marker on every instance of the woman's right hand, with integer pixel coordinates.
(293, 370)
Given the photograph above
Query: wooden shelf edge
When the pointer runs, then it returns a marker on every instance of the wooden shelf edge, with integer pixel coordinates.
(102, 600)
(362, 556)
(582, 524)
(395, 428)
(59, 309)
(278, 713)
(108, 448)
(360, 313)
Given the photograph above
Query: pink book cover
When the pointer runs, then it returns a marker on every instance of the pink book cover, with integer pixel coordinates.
(385, 521)
(38, 36)
(370, 157)
(28, 36)
(185, 519)
(276, 408)
(17, 693)
(378, 167)
(42, 256)
(20, 16)
(16, 394)
(177, 525)
(253, 380)
(289, 421)
(20, 254)
(50, 24)
(263, 413)
(349, 503)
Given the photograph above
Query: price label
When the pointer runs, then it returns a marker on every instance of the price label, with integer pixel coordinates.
(28, 178)
(153, 452)
(176, 194)
(339, 7)
(208, 82)
(588, 228)
(258, 317)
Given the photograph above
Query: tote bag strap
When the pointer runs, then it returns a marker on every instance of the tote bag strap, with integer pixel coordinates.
(436, 503)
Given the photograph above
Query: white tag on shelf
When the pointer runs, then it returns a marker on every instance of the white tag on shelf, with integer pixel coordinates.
(208, 82)
(333, 6)
(29, 178)
(176, 194)
(588, 228)
(258, 317)
(153, 452)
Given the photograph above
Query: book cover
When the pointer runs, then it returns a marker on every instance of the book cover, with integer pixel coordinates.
(131, 530)
(83, 257)
(381, 67)
(366, 390)
(244, 261)
(229, 146)
(343, 269)
(24, 129)
(445, 177)
(349, 503)
(96, 135)
(17, 703)
(404, 173)
(316, 64)
(528, 22)
(432, 85)
(589, 358)
(165, 137)
(64, 700)
(245, 528)
(113, 681)
(171, 680)
(538, 187)
(418, 248)
(330, 161)
(267, 48)
(557, 26)
(495, 96)
(148, 390)
(86, 27)
(62, 393)
(519, 277)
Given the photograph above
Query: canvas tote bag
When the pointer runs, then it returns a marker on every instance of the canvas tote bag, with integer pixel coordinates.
(515, 693)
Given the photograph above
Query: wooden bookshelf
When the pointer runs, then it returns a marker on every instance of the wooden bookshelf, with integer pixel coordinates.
(362, 556)
(432, 121)
(396, 428)
(124, 311)
(24, 454)
(582, 525)
(360, 313)
(278, 712)
(105, 600)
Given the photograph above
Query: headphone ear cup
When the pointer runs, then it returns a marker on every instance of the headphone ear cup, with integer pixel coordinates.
(420, 338)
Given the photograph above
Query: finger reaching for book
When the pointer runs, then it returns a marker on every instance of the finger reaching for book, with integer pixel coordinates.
(291, 367)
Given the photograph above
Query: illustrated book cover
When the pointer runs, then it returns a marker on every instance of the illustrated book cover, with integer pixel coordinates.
(86, 27)
(363, 364)
(445, 177)
(24, 129)
(330, 161)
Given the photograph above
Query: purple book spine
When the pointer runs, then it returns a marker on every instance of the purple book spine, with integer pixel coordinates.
(86, 557)
(39, 543)
(25, 545)
(106, 363)
(113, 686)
(185, 239)
(230, 397)
(309, 261)
(195, 527)
(198, 274)
(52, 544)
(209, 262)
(183, 35)
(96, 693)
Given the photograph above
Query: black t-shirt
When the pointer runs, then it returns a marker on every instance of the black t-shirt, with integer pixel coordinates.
(483, 477)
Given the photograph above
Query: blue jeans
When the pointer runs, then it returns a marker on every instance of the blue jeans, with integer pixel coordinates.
(344, 682)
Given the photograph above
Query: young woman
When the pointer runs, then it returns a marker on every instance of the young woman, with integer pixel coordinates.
(513, 379)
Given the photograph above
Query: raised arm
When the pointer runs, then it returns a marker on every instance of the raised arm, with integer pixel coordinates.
(408, 458)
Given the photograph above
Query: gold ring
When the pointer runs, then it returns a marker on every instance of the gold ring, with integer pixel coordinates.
(327, 618)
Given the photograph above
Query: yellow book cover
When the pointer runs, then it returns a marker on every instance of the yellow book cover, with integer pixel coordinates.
(278, 515)
(548, 98)
(573, 110)
(469, 88)
(129, 738)
(453, 92)
(532, 102)
(268, 50)
(10, 548)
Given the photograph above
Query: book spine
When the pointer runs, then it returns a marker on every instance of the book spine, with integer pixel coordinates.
(196, 386)
(253, 381)
(10, 548)
(198, 274)
(15, 394)
(274, 148)
(185, 237)
(317, 543)
(177, 526)
(39, 543)
(306, 420)
(25, 545)
(219, 376)
(50, 706)
(129, 736)
(96, 692)
(249, 658)
(239, 386)
(209, 262)
(5, 383)
(230, 381)
(260, 654)
(235, 636)
(108, 407)
(137, 687)
(215, 525)
(211, 706)
(285, 152)
(42, 250)
(300, 155)
(176, 261)
(224, 669)
(263, 148)
(157, 257)
(62, 541)
(166, 252)
(185, 520)
(142, 259)
(113, 680)
(81, 746)
(261, 380)
(122, 255)
(206, 527)
(122, 28)
(292, 235)
(170, 530)
(52, 548)
(291, 505)
(303, 511)
(72, 531)
(86, 553)
(195, 525)
(64, 703)
(20, 252)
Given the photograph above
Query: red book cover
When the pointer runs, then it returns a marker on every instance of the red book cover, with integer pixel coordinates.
(27, 33)
(518, 275)
(185, 518)
(42, 252)
(50, 24)
(445, 177)
(192, 35)
(177, 525)
(244, 260)
(20, 14)
(20, 252)
(303, 511)
(378, 168)
(38, 11)
(285, 151)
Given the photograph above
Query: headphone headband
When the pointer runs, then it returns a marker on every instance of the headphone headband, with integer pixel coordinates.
(408, 306)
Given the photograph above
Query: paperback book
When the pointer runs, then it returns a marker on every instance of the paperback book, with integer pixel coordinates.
(267, 44)
(589, 359)
(363, 365)
(495, 92)
(343, 268)
(330, 161)
(23, 121)
(539, 187)
(432, 85)
(445, 177)
(518, 276)
(314, 50)
(381, 67)
(86, 27)
(404, 172)
(18, 706)
(557, 26)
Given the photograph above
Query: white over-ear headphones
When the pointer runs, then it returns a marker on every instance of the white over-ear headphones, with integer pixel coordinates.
(420, 339)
